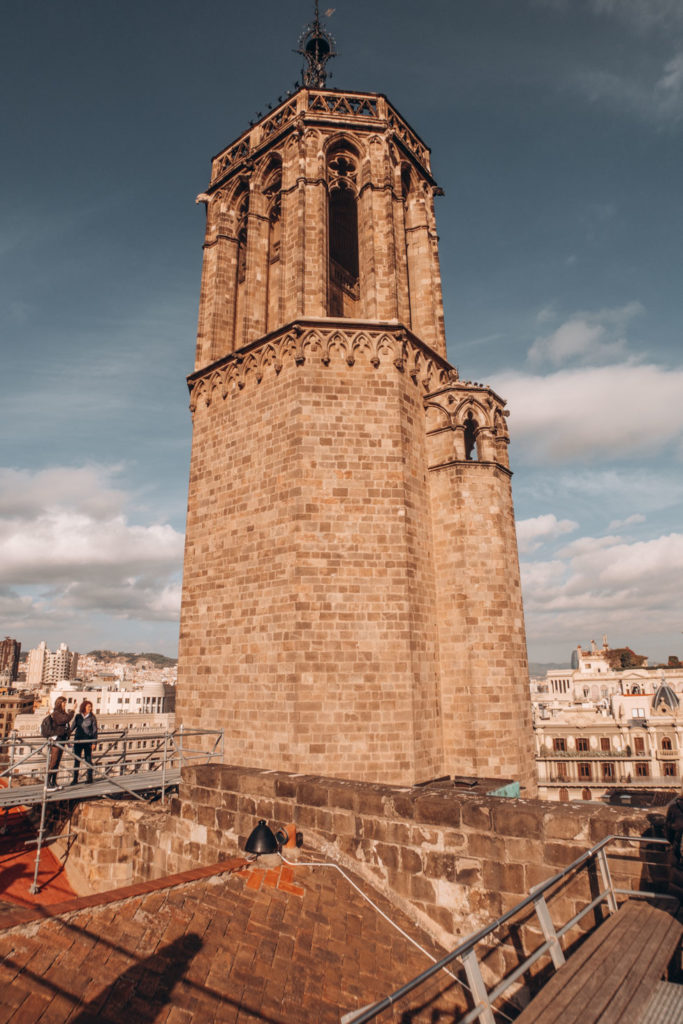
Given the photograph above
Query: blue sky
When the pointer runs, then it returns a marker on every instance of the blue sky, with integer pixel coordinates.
(555, 128)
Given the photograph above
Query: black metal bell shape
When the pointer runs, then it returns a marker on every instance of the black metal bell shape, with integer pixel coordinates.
(261, 840)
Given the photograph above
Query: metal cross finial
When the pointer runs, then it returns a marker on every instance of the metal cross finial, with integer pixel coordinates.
(317, 46)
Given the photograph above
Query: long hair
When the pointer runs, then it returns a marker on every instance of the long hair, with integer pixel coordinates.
(84, 704)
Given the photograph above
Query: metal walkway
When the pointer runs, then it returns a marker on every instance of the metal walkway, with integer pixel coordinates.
(137, 763)
(132, 784)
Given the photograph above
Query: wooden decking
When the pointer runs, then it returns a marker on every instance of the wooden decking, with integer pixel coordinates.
(611, 978)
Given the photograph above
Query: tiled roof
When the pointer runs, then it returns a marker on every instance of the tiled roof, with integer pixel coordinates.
(277, 946)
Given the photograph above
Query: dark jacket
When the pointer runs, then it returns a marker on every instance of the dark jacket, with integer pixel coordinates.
(674, 825)
(85, 727)
(60, 723)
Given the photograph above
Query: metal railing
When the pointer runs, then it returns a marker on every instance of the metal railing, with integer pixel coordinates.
(118, 752)
(536, 902)
(128, 762)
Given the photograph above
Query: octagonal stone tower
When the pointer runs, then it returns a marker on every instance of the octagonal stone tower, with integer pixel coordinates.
(351, 596)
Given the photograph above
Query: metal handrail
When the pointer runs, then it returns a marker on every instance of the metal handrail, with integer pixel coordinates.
(165, 745)
(164, 752)
(465, 951)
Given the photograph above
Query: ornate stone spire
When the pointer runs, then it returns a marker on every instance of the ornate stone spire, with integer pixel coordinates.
(317, 46)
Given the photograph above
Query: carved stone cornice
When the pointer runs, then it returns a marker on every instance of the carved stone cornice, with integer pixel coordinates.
(322, 341)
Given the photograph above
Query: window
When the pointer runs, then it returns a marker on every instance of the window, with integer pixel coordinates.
(669, 768)
(666, 743)
(639, 745)
(608, 770)
(561, 769)
(582, 744)
(605, 744)
(585, 770)
(638, 713)
(642, 769)
(343, 235)
(559, 744)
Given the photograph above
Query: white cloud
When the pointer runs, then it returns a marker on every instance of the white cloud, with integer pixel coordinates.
(586, 337)
(642, 15)
(595, 412)
(633, 520)
(657, 99)
(67, 549)
(597, 584)
(87, 488)
(532, 533)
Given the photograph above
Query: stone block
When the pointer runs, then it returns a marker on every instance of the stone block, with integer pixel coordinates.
(437, 810)
(388, 855)
(475, 815)
(571, 824)
(410, 860)
(513, 818)
(440, 865)
(313, 794)
(508, 878)
(209, 776)
(468, 872)
(559, 855)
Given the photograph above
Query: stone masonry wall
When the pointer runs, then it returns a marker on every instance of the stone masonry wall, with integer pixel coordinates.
(453, 861)
(308, 625)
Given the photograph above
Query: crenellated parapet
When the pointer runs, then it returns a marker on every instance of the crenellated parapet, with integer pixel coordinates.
(466, 422)
(324, 343)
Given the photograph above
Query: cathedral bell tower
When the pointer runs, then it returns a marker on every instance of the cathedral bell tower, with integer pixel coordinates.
(351, 596)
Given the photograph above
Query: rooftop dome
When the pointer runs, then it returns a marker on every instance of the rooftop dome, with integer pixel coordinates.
(665, 695)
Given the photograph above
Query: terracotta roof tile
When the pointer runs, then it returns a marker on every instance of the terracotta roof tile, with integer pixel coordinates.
(277, 947)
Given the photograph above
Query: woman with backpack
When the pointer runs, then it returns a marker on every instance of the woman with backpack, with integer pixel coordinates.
(85, 734)
(59, 730)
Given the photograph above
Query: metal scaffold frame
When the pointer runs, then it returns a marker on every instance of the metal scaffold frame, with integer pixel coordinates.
(133, 762)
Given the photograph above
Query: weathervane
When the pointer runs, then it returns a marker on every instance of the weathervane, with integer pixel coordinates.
(317, 46)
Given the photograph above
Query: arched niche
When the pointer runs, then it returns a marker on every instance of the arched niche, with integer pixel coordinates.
(272, 193)
(342, 166)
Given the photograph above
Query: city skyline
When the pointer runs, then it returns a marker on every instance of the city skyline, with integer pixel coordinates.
(560, 245)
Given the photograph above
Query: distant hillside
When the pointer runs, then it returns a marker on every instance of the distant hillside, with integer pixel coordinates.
(160, 660)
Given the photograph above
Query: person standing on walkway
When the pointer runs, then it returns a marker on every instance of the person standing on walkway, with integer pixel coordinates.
(60, 719)
(85, 734)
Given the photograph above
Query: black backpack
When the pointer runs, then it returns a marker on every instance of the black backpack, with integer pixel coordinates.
(46, 727)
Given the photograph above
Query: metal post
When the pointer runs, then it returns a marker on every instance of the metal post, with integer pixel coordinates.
(223, 746)
(607, 884)
(122, 769)
(11, 758)
(34, 888)
(180, 745)
(543, 914)
(479, 990)
(163, 770)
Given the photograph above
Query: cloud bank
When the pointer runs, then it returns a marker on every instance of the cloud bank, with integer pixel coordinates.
(68, 551)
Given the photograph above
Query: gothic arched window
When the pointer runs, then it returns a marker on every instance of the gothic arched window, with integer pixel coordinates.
(241, 213)
(272, 192)
(344, 291)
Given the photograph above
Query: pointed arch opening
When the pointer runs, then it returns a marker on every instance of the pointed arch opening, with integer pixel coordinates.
(343, 261)
(241, 214)
(273, 193)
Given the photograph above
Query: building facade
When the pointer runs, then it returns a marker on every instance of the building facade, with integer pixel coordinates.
(351, 596)
(10, 651)
(13, 702)
(601, 729)
(45, 667)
